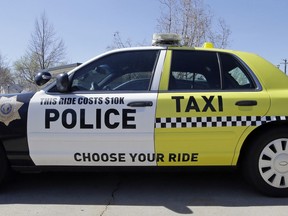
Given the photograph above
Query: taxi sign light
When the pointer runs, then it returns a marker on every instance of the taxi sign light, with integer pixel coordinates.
(208, 45)
(166, 39)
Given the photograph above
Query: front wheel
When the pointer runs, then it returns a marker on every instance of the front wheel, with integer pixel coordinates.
(266, 163)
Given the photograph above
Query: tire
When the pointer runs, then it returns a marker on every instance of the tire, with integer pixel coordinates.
(3, 165)
(266, 163)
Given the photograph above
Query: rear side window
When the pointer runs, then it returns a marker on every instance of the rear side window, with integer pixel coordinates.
(194, 70)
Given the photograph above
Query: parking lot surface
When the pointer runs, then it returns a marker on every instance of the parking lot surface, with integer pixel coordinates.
(141, 193)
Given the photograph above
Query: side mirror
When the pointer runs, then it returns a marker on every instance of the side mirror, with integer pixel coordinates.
(42, 77)
(62, 82)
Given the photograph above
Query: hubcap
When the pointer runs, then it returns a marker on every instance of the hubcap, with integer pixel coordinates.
(273, 163)
(281, 163)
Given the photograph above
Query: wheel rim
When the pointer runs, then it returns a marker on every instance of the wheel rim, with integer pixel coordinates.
(273, 163)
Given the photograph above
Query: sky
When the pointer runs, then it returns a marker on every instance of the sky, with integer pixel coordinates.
(87, 27)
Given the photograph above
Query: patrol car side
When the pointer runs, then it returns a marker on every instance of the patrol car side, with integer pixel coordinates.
(163, 106)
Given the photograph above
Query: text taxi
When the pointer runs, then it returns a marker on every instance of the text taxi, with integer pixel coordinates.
(159, 106)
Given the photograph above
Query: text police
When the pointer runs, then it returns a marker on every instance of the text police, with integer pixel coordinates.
(71, 118)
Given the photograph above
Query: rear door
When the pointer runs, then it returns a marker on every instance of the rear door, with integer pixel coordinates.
(207, 101)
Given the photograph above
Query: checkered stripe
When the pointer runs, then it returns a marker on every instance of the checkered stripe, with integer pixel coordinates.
(215, 121)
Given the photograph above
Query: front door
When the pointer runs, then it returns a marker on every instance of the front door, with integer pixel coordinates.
(106, 119)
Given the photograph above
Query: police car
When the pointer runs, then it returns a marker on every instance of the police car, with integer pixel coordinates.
(161, 106)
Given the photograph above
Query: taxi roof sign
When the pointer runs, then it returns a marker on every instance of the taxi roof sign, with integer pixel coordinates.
(208, 45)
(160, 39)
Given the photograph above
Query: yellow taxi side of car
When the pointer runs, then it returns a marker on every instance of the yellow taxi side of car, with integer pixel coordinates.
(190, 129)
(215, 145)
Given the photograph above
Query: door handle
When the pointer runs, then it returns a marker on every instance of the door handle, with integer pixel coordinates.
(140, 104)
(246, 103)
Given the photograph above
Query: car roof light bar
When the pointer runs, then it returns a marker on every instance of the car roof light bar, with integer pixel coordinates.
(162, 39)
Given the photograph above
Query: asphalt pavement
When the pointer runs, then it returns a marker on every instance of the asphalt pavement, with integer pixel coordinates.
(135, 194)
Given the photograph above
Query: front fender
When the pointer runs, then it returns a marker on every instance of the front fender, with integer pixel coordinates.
(13, 127)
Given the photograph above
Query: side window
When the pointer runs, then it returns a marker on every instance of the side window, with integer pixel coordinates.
(131, 70)
(234, 74)
(194, 70)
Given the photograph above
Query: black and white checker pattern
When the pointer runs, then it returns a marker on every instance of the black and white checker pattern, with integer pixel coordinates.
(215, 121)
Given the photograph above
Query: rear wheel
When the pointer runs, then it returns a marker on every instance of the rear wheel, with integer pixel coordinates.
(266, 164)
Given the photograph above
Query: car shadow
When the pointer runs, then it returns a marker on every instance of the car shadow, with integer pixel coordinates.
(175, 191)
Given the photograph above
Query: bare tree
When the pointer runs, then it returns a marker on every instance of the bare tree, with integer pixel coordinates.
(49, 49)
(6, 77)
(222, 34)
(118, 42)
(26, 67)
(193, 21)
(45, 50)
